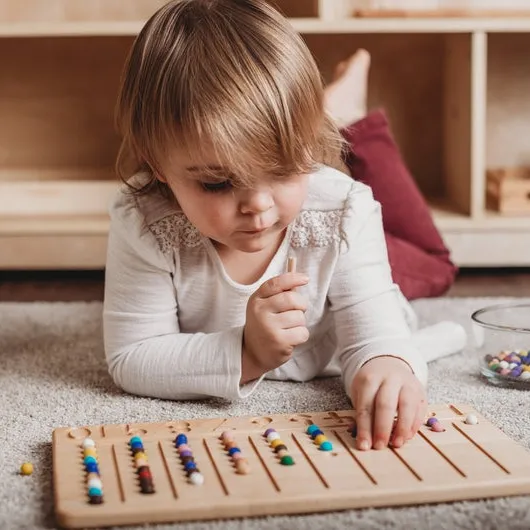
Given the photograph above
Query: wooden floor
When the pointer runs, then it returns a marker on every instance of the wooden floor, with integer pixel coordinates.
(31, 286)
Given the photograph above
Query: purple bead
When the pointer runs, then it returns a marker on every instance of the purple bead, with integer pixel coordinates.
(185, 453)
(268, 431)
(431, 421)
(516, 372)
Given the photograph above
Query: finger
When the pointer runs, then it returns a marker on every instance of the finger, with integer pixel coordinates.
(421, 414)
(363, 404)
(386, 404)
(407, 414)
(287, 301)
(295, 336)
(283, 282)
(290, 319)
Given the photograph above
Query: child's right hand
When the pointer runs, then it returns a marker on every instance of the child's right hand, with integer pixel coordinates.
(275, 324)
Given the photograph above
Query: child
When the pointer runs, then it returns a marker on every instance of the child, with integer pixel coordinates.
(221, 112)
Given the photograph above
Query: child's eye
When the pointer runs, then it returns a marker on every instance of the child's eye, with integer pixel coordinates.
(214, 187)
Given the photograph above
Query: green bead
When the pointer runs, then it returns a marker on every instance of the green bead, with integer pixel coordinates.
(287, 460)
(493, 367)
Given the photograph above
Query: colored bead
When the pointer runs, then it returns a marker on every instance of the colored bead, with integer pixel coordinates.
(88, 442)
(282, 452)
(182, 448)
(311, 429)
(92, 468)
(230, 444)
(196, 478)
(505, 371)
(525, 376)
(141, 462)
(181, 439)
(501, 356)
(145, 473)
(142, 469)
(184, 454)
(135, 439)
(431, 421)
(320, 439)
(188, 458)
(227, 435)
(233, 450)
(287, 460)
(471, 419)
(90, 476)
(504, 364)
(273, 436)
(90, 451)
(280, 447)
(242, 467)
(438, 427)
(268, 431)
(190, 465)
(237, 456)
(316, 433)
(140, 455)
(95, 491)
(326, 446)
(494, 367)
(511, 366)
(276, 443)
(516, 372)
(147, 486)
(89, 460)
(94, 483)
(26, 468)
(96, 499)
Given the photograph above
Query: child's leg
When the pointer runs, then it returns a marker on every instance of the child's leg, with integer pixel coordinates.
(418, 256)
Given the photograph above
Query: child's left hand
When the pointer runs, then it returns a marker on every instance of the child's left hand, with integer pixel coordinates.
(383, 387)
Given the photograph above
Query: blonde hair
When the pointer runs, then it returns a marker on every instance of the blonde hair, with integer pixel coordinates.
(231, 75)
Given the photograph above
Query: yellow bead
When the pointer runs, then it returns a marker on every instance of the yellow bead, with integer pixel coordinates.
(527, 368)
(140, 455)
(90, 451)
(26, 468)
(320, 439)
(275, 443)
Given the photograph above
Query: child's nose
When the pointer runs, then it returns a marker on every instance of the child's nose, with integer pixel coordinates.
(256, 201)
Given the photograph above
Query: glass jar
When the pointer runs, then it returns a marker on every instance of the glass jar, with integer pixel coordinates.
(502, 343)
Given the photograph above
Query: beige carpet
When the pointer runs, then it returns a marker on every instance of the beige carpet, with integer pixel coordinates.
(52, 374)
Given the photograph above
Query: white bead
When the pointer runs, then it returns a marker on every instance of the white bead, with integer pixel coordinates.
(196, 478)
(512, 366)
(525, 376)
(504, 364)
(273, 436)
(95, 483)
(471, 419)
(88, 442)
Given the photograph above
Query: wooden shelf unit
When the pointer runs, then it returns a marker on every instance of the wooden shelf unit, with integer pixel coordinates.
(456, 91)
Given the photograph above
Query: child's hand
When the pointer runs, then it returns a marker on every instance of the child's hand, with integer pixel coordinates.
(275, 324)
(382, 387)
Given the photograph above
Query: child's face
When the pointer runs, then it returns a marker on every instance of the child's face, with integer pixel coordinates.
(248, 220)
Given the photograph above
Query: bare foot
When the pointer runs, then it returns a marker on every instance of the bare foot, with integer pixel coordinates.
(345, 97)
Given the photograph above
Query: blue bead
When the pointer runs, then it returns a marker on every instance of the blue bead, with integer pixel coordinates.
(90, 460)
(135, 439)
(312, 428)
(92, 492)
(326, 446)
(91, 467)
(181, 439)
(190, 465)
(233, 450)
(315, 433)
(137, 445)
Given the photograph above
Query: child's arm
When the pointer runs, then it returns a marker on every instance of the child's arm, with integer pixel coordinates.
(145, 351)
(369, 320)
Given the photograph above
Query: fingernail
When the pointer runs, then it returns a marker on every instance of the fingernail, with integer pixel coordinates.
(398, 442)
(379, 445)
(364, 445)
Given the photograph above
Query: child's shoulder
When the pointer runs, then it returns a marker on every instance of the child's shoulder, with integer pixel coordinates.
(153, 213)
(333, 197)
(330, 189)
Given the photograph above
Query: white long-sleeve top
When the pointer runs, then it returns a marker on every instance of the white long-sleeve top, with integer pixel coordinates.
(174, 319)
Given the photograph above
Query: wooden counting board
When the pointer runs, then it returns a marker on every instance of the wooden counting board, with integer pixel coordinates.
(463, 462)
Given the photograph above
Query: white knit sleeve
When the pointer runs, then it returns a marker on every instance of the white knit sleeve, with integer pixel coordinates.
(145, 351)
(368, 316)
